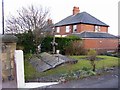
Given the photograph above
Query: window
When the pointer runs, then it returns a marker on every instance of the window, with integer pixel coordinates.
(74, 28)
(58, 30)
(67, 29)
(97, 28)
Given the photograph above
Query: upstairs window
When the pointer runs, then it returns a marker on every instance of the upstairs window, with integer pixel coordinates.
(74, 28)
(58, 30)
(97, 28)
(67, 29)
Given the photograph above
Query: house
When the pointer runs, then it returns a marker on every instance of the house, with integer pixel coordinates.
(93, 32)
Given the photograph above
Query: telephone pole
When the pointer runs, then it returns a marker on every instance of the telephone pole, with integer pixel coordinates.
(3, 17)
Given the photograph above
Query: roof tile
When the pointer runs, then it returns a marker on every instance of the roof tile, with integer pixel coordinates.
(82, 17)
(94, 35)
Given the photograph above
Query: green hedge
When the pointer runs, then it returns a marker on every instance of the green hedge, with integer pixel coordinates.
(26, 42)
(63, 43)
(67, 45)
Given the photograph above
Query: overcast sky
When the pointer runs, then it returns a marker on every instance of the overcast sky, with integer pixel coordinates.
(105, 10)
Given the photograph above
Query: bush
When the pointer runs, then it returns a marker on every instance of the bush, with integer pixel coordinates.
(75, 48)
(46, 44)
(71, 45)
(26, 42)
(92, 57)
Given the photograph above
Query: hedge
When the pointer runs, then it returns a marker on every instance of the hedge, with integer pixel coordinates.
(63, 44)
(26, 42)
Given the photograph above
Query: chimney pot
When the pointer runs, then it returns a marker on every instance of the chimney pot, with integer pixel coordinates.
(75, 10)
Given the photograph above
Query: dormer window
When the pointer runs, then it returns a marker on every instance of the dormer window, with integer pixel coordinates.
(97, 28)
(67, 29)
(74, 28)
(58, 30)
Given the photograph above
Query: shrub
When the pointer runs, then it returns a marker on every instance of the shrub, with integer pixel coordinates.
(65, 44)
(75, 48)
(26, 42)
(92, 57)
(71, 45)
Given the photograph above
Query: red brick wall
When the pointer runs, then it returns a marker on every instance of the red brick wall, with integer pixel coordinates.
(63, 30)
(85, 27)
(91, 28)
(81, 28)
(104, 29)
(100, 43)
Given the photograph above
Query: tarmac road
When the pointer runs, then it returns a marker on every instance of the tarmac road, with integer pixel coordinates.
(108, 80)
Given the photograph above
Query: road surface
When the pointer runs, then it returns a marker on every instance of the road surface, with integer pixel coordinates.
(107, 80)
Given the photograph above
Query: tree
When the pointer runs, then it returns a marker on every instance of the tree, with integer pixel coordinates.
(92, 57)
(31, 18)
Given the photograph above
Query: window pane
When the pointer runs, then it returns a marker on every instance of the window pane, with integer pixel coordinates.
(74, 28)
(67, 28)
(97, 28)
(58, 29)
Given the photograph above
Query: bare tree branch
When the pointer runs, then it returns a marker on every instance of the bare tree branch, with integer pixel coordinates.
(30, 18)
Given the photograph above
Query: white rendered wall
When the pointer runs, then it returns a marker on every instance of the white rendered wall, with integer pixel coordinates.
(19, 61)
(19, 68)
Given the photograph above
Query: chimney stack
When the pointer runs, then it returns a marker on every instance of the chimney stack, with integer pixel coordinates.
(75, 10)
(49, 21)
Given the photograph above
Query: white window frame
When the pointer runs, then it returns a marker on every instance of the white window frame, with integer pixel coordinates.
(67, 29)
(97, 28)
(58, 30)
(74, 28)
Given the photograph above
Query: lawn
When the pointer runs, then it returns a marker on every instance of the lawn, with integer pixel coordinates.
(106, 61)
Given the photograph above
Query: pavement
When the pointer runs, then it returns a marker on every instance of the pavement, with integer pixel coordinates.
(9, 84)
